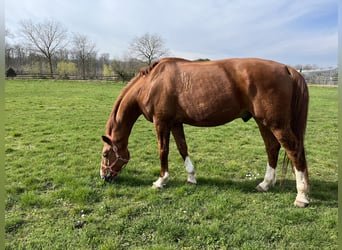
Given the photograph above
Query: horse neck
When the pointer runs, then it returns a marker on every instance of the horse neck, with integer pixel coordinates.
(123, 120)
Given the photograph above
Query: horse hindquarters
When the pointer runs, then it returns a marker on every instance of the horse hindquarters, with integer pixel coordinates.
(290, 135)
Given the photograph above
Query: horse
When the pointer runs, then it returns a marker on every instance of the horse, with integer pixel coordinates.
(176, 91)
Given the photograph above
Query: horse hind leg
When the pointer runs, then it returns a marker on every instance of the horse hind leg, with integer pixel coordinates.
(178, 134)
(272, 148)
(295, 151)
(189, 167)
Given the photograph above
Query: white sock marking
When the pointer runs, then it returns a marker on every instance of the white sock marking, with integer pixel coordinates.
(269, 179)
(302, 187)
(160, 183)
(189, 167)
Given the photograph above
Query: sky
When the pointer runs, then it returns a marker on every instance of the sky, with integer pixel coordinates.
(288, 31)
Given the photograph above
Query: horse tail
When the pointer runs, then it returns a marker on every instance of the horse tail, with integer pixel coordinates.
(286, 163)
(299, 105)
(299, 109)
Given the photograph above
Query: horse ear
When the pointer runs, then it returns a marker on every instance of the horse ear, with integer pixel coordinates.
(107, 140)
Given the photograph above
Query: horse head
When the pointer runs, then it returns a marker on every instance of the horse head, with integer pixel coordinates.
(113, 159)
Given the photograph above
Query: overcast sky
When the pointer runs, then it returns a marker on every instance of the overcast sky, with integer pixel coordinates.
(289, 31)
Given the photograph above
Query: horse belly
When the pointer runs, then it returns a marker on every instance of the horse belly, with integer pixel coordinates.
(211, 110)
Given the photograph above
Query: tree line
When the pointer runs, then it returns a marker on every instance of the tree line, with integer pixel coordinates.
(48, 50)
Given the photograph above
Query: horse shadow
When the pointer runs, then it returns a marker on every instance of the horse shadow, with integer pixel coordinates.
(322, 193)
(321, 190)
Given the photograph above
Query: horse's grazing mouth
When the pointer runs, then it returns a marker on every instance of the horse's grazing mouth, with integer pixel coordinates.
(109, 178)
(112, 162)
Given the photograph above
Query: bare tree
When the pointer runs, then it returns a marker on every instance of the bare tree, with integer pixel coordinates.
(126, 68)
(84, 50)
(8, 49)
(148, 48)
(46, 37)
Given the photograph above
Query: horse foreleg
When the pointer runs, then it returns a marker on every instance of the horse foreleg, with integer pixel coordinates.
(178, 134)
(272, 148)
(163, 136)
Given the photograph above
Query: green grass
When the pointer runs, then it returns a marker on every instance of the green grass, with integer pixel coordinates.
(56, 200)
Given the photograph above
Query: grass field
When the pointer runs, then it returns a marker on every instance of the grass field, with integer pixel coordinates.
(56, 199)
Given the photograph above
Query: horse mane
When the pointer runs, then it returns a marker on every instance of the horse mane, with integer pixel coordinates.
(146, 70)
(112, 116)
(143, 72)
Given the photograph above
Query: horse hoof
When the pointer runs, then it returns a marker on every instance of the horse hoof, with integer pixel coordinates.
(301, 204)
(191, 181)
(260, 189)
(156, 186)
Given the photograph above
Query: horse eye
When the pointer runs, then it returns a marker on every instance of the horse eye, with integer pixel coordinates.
(105, 154)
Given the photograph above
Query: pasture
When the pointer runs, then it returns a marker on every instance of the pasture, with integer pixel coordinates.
(56, 200)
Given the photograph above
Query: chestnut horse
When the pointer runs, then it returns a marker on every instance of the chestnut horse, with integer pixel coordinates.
(175, 91)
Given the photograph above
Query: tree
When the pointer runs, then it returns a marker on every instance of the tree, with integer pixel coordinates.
(65, 68)
(19, 56)
(84, 51)
(46, 37)
(126, 69)
(148, 48)
(11, 73)
(8, 49)
(107, 70)
(121, 69)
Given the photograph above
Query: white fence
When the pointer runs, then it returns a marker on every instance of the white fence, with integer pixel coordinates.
(322, 77)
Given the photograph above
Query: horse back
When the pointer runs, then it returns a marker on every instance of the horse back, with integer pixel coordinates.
(215, 92)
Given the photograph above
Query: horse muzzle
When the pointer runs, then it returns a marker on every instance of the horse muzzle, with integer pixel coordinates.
(108, 174)
(108, 178)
